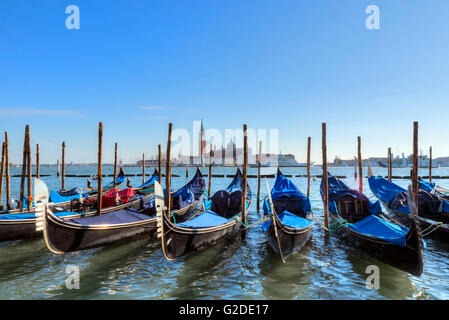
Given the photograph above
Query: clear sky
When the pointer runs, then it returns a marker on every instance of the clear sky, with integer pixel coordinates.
(289, 65)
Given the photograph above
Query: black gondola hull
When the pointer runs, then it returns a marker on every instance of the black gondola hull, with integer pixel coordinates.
(408, 258)
(178, 242)
(64, 238)
(291, 240)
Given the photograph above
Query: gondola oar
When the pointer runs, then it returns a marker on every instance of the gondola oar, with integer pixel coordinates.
(273, 220)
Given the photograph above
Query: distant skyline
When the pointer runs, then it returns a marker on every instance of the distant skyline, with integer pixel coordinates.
(287, 65)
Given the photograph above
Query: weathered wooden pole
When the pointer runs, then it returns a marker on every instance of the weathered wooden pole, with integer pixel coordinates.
(245, 163)
(430, 164)
(159, 162)
(309, 143)
(168, 170)
(415, 162)
(143, 167)
(325, 182)
(359, 152)
(63, 166)
(99, 168)
(187, 168)
(2, 172)
(390, 171)
(7, 175)
(355, 168)
(211, 154)
(24, 160)
(29, 191)
(57, 168)
(115, 165)
(38, 168)
(258, 175)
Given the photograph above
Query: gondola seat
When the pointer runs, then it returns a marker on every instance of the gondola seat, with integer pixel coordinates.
(290, 220)
(204, 220)
(382, 229)
(226, 204)
(112, 218)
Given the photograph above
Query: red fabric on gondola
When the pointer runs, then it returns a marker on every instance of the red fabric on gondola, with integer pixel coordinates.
(114, 196)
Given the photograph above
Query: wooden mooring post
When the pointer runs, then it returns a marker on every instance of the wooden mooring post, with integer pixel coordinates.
(168, 171)
(100, 168)
(24, 166)
(430, 164)
(38, 169)
(309, 144)
(258, 175)
(415, 162)
(7, 175)
(325, 182)
(390, 171)
(29, 190)
(159, 163)
(359, 152)
(2, 172)
(211, 155)
(63, 166)
(245, 163)
(115, 165)
(143, 168)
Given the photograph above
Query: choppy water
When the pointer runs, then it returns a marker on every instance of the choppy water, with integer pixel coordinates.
(324, 269)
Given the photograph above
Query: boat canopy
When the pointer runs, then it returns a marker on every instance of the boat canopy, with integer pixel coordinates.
(113, 218)
(63, 196)
(382, 229)
(384, 189)
(204, 220)
(291, 220)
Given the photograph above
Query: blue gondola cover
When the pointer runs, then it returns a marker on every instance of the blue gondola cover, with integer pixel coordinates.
(382, 229)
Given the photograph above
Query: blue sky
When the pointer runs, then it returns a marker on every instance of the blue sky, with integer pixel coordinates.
(290, 65)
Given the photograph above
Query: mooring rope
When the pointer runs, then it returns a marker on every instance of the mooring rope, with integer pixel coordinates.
(435, 226)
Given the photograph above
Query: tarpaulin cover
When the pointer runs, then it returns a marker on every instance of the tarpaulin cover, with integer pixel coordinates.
(150, 181)
(58, 196)
(426, 186)
(287, 197)
(181, 198)
(228, 202)
(204, 220)
(384, 189)
(381, 229)
(111, 218)
(109, 199)
(197, 184)
(291, 220)
(340, 191)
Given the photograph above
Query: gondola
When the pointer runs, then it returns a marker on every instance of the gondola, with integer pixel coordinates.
(17, 226)
(362, 224)
(114, 225)
(292, 217)
(220, 218)
(64, 197)
(433, 210)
